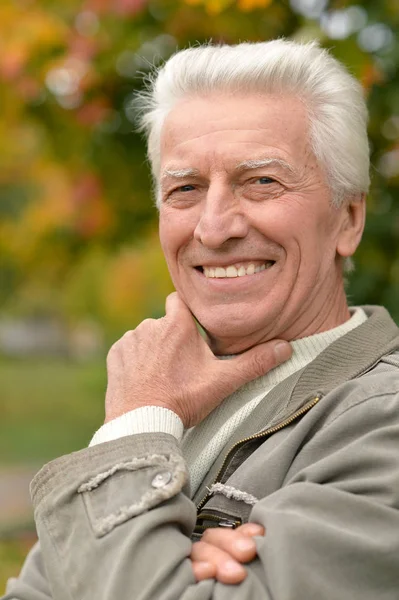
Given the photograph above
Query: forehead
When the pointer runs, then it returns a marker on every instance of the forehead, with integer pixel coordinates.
(226, 129)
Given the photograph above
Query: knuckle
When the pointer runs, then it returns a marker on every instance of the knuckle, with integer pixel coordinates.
(198, 548)
(112, 352)
(205, 536)
(148, 324)
(261, 364)
(119, 344)
(210, 534)
(202, 551)
(127, 337)
(145, 323)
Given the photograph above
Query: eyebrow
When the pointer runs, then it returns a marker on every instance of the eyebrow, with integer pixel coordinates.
(265, 162)
(179, 173)
(242, 166)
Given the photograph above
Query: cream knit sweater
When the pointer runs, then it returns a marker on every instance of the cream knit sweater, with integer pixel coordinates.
(202, 444)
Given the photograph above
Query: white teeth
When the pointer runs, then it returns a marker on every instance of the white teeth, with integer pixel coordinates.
(232, 271)
(262, 267)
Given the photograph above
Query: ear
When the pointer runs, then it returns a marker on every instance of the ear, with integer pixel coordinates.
(354, 216)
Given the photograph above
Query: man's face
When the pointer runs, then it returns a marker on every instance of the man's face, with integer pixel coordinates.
(246, 222)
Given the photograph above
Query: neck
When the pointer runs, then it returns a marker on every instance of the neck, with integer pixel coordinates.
(326, 314)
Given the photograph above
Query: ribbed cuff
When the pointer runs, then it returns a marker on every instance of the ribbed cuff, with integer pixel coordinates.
(146, 419)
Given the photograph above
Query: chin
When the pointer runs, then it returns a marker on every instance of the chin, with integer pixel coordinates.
(221, 347)
(231, 335)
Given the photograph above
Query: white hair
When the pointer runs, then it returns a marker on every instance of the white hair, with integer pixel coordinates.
(333, 98)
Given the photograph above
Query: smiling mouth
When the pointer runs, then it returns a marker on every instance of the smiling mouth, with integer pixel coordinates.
(236, 270)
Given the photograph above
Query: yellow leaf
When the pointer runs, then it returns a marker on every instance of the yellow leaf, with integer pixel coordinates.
(212, 7)
(248, 5)
(215, 7)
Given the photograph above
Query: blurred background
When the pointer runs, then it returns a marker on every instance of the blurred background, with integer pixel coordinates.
(79, 256)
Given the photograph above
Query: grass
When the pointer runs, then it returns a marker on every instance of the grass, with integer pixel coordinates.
(48, 408)
(12, 554)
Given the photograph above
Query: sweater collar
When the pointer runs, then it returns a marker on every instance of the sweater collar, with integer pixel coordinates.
(305, 350)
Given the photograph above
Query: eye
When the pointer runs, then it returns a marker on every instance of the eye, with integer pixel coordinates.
(185, 188)
(265, 180)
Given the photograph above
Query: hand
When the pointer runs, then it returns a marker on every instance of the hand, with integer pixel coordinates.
(165, 362)
(221, 552)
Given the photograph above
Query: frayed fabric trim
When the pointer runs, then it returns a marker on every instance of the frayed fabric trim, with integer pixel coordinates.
(131, 465)
(150, 498)
(233, 493)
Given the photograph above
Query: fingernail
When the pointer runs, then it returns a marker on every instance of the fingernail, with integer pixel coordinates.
(233, 567)
(254, 529)
(245, 544)
(282, 350)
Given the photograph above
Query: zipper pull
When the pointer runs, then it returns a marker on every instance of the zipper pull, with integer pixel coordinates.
(227, 524)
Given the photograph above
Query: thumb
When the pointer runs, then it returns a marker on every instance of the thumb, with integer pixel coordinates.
(174, 304)
(175, 307)
(259, 360)
(178, 312)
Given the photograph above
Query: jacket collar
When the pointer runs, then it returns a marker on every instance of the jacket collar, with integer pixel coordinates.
(348, 357)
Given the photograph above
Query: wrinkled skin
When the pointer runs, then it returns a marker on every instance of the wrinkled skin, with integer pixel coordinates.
(215, 210)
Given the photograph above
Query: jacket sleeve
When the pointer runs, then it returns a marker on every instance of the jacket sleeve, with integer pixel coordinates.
(114, 521)
(332, 528)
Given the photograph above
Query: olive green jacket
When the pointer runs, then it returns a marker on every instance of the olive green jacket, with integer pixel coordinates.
(116, 521)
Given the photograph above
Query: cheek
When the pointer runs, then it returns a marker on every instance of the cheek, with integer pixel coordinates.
(302, 226)
(169, 231)
(175, 233)
(164, 237)
(280, 224)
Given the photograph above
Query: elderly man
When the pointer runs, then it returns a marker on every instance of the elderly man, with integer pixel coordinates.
(286, 453)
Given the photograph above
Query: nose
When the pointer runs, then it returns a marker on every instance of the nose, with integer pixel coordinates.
(221, 219)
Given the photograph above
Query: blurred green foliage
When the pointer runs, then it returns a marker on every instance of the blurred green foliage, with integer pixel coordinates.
(77, 224)
(12, 553)
(53, 409)
(49, 408)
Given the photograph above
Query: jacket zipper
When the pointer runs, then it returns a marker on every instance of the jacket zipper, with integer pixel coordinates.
(257, 436)
(219, 522)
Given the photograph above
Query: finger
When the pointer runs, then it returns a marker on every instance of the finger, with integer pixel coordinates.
(177, 311)
(227, 569)
(230, 572)
(251, 529)
(258, 361)
(174, 305)
(240, 547)
(203, 570)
